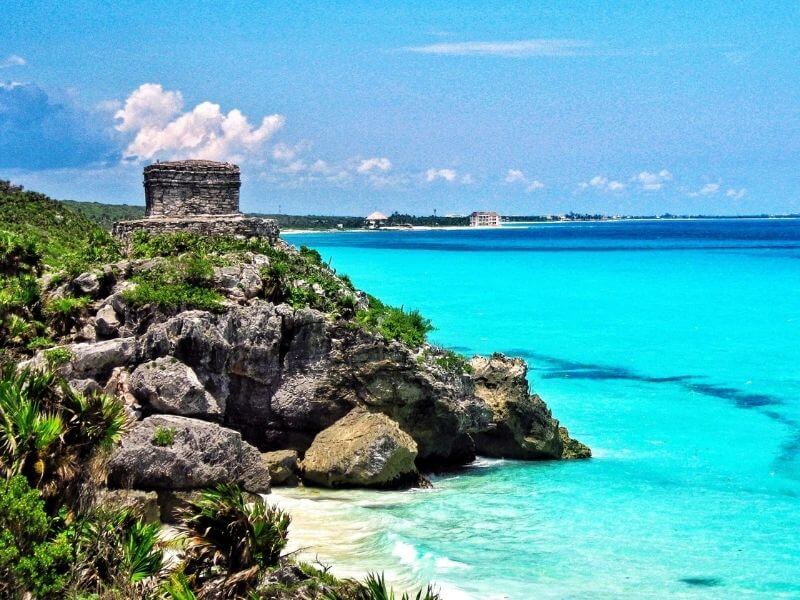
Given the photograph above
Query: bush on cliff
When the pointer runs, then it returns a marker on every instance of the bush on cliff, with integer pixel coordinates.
(411, 328)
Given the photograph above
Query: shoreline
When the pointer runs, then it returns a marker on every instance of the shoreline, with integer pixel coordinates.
(341, 530)
(526, 224)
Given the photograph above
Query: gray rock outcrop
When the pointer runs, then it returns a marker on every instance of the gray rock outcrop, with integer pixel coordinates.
(169, 386)
(180, 453)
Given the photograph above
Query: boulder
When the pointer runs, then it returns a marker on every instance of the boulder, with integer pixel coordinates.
(141, 504)
(107, 322)
(522, 426)
(169, 386)
(283, 466)
(87, 283)
(361, 449)
(180, 453)
(97, 360)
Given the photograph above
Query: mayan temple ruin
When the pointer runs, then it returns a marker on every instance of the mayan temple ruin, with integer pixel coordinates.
(199, 196)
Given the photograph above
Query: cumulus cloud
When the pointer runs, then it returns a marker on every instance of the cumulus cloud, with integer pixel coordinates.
(39, 132)
(371, 165)
(161, 129)
(601, 183)
(516, 176)
(509, 49)
(285, 152)
(707, 189)
(448, 175)
(12, 60)
(736, 194)
(651, 182)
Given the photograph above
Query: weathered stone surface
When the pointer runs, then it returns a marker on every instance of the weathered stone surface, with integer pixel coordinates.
(522, 425)
(107, 322)
(572, 448)
(283, 466)
(201, 454)
(140, 503)
(224, 225)
(169, 386)
(361, 449)
(87, 283)
(96, 360)
(188, 187)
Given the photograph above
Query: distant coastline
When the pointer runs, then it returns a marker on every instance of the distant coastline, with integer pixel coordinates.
(106, 214)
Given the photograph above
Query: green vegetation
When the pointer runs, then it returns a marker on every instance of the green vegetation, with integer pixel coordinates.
(411, 328)
(450, 361)
(105, 215)
(64, 239)
(374, 587)
(164, 436)
(178, 283)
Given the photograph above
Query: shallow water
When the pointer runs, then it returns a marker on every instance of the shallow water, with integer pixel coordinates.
(671, 348)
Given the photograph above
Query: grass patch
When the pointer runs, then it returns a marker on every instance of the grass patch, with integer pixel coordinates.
(174, 284)
(164, 436)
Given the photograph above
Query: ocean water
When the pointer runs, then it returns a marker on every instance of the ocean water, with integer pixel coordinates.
(672, 348)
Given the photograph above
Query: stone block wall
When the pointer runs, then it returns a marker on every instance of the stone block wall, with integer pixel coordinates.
(223, 225)
(191, 187)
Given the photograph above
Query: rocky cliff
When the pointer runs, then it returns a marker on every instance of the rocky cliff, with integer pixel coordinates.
(278, 358)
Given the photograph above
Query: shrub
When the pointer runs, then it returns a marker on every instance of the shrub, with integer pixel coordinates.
(392, 323)
(63, 313)
(33, 557)
(164, 436)
(228, 531)
(450, 361)
(48, 431)
(374, 587)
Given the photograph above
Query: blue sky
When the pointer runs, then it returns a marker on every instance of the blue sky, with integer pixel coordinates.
(348, 107)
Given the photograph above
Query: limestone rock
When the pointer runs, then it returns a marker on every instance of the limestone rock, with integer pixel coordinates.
(97, 360)
(107, 322)
(361, 449)
(200, 454)
(169, 386)
(283, 466)
(141, 504)
(522, 426)
(87, 283)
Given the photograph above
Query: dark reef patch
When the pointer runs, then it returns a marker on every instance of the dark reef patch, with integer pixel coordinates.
(702, 581)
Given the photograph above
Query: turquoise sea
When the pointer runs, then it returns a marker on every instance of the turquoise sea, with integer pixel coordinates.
(672, 348)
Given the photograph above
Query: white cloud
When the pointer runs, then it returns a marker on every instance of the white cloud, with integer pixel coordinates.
(448, 175)
(615, 186)
(509, 49)
(467, 179)
(375, 164)
(708, 189)
(651, 182)
(602, 184)
(736, 194)
(148, 106)
(285, 153)
(516, 176)
(12, 60)
(161, 129)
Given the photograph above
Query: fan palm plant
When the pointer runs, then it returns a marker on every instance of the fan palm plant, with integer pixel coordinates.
(232, 538)
(374, 587)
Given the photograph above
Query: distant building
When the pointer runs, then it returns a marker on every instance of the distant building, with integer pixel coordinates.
(484, 219)
(376, 219)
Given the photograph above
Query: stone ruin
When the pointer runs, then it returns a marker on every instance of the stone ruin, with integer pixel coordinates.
(198, 196)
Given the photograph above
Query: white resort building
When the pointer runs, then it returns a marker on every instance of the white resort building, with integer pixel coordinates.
(376, 219)
(484, 219)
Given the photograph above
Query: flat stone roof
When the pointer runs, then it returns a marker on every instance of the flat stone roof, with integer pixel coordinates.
(192, 165)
